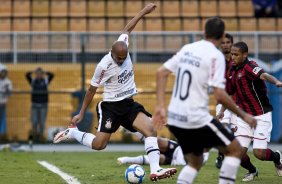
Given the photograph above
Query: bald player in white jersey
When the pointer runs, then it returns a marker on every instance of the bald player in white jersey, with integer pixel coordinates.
(114, 72)
(198, 67)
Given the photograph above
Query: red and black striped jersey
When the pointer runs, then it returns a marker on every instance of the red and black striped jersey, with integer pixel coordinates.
(249, 89)
(228, 75)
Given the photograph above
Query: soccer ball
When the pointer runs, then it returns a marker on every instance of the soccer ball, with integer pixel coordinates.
(134, 174)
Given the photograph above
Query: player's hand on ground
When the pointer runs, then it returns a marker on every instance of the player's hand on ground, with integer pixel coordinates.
(76, 119)
(159, 117)
(149, 8)
(250, 120)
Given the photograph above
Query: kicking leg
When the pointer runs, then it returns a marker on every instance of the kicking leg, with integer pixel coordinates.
(143, 124)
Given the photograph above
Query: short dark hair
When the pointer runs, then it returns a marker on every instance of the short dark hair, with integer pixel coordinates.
(229, 36)
(214, 28)
(242, 46)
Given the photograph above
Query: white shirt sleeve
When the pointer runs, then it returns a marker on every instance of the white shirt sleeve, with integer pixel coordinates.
(171, 64)
(124, 38)
(216, 72)
(100, 77)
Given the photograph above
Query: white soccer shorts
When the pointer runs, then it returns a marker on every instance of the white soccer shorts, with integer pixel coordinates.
(228, 118)
(260, 136)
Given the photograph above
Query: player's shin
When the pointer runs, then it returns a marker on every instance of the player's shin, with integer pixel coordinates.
(153, 152)
(229, 170)
(83, 138)
(187, 175)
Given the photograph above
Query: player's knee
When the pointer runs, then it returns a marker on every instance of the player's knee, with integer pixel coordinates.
(259, 154)
(98, 146)
(235, 150)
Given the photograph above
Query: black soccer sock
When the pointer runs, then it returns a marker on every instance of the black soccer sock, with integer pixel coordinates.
(246, 163)
(272, 156)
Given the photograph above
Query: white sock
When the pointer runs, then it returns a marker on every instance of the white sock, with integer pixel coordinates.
(229, 170)
(206, 157)
(83, 137)
(141, 159)
(187, 175)
(153, 152)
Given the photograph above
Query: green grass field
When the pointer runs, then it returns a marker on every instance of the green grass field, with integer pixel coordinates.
(101, 168)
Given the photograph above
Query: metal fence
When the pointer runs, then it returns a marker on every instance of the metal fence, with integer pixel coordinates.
(19, 47)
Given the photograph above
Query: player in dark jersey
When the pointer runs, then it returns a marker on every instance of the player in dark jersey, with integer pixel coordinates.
(225, 116)
(248, 84)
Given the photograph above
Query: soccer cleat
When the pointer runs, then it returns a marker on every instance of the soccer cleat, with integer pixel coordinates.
(279, 166)
(218, 162)
(163, 173)
(250, 176)
(121, 160)
(64, 135)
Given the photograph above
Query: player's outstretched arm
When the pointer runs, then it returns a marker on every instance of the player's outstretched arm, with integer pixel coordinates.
(159, 117)
(132, 23)
(87, 100)
(271, 79)
(227, 102)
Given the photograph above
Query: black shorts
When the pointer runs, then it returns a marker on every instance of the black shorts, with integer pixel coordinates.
(113, 114)
(196, 140)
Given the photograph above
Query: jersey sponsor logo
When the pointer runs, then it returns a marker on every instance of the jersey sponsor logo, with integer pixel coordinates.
(125, 76)
(239, 75)
(108, 124)
(177, 117)
(256, 70)
(130, 91)
(101, 77)
(190, 59)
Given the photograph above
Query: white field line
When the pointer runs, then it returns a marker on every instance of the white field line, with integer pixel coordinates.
(68, 178)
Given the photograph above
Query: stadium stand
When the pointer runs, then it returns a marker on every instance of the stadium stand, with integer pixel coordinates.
(115, 8)
(227, 8)
(21, 24)
(6, 8)
(59, 8)
(5, 24)
(208, 8)
(77, 9)
(21, 8)
(189, 9)
(237, 13)
(131, 7)
(39, 24)
(78, 24)
(96, 24)
(59, 24)
(245, 8)
(40, 8)
(170, 8)
(96, 8)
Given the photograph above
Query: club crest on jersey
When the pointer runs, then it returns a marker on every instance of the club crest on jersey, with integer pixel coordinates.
(256, 70)
(239, 75)
(108, 123)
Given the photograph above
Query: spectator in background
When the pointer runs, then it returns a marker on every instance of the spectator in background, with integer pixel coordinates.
(5, 92)
(264, 8)
(39, 81)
